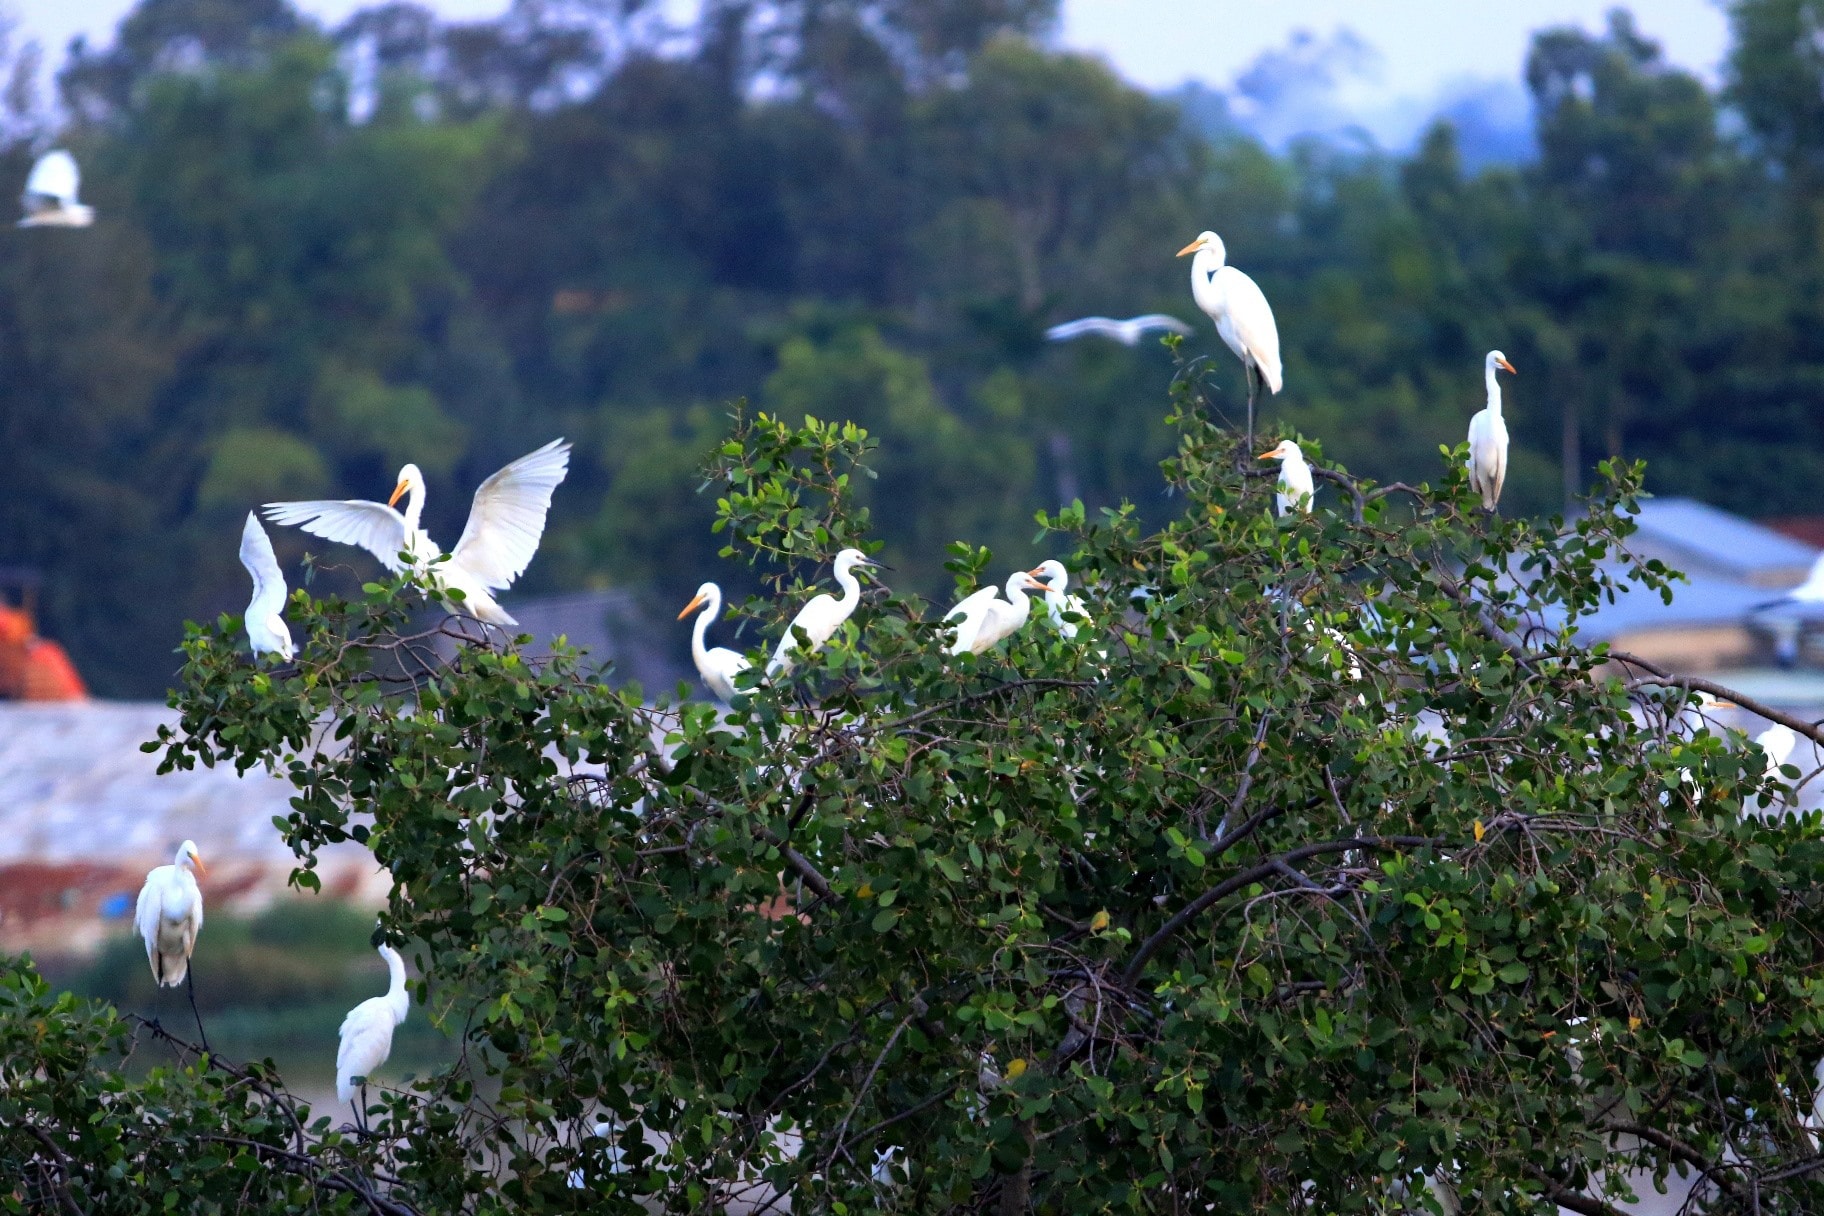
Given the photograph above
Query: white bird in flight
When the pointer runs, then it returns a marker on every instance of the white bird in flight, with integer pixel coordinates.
(718, 665)
(1059, 604)
(367, 1033)
(50, 194)
(506, 521)
(822, 616)
(1488, 436)
(1127, 333)
(169, 915)
(1295, 485)
(982, 620)
(266, 628)
(1243, 317)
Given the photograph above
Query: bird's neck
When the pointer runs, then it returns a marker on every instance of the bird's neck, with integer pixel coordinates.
(414, 507)
(1494, 389)
(395, 989)
(699, 648)
(851, 588)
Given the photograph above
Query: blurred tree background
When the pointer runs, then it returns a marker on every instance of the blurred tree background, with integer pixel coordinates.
(324, 252)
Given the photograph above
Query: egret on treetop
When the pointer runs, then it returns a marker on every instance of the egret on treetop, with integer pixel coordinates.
(1127, 333)
(266, 628)
(50, 194)
(983, 620)
(367, 1034)
(1295, 486)
(506, 521)
(1243, 317)
(718, 666)
(823, 615)
(1488, 436)
(1058, 604)
(169, 915)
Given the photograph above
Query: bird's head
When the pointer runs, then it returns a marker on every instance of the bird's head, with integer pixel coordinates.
(1497, 359)
(848, 559)
(704, 593)
(188, 856)
(1286, 450)
(409, 479)
(1050, 571)
(1033, 584)
(1207, 241)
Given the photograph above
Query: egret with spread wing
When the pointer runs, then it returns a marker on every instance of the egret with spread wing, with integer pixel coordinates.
(1243, 317)
(1488, 437)
(169, 915)
(367, 1034)
(1295, 485)
(1127, 333)
(50, 194)
(717, 665)
(982, 620)
(506, 521)
(822, 616)
(266, 628)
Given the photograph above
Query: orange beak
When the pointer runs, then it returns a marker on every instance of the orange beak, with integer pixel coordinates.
(1033, 584)
(196, 859)
(1193, 247)
(398, 490)
(690, 607)
(1268, 455)
(1507, 365)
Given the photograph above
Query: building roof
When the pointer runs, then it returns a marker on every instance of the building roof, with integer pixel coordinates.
(1704, 540)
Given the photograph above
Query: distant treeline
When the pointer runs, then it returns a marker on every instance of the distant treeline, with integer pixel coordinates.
(323, 253)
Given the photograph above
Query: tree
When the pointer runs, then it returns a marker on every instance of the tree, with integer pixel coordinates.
(1326, 861)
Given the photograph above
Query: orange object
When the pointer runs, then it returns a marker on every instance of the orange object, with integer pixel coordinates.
(33, 668)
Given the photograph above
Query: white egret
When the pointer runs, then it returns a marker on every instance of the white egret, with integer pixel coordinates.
(367, 1034)
(822, 616)
(50, 194)
(718, 666)
(266, 628)
(1295, 485)
(982, 620)
(1488, 436)
(169, 915)
(1243, 317)
(1811, 591)
(1779, 741)
(1127, 333)
(1058, 603)
(506, 521)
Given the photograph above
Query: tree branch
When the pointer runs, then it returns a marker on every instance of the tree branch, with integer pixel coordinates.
(1666, 679)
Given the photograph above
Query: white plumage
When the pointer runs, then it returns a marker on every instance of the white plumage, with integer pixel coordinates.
(506, 521)
(266, 628)
(367, 1031)
(1243, 318)
(718, 666)
(169, 915)
(1127, 333)
(822, 616)
(1058, 603)
(50, 194)
(1295, 485)
(982, 620)
(1488, 437)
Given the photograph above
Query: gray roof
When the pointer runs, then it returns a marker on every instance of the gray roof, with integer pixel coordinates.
(1704, 540)
(1704, 600)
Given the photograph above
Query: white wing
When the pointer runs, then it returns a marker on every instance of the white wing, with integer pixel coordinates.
(54, 176)
(1159, 320)
(146, 912)
(1088, 325)
(367, 1039)
(373, 526)
(263, 564)
(508, 516)
(1250, 318)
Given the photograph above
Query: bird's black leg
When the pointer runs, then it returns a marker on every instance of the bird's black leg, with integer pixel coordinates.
(1247, 367)
(190, 987)
(361, 1110)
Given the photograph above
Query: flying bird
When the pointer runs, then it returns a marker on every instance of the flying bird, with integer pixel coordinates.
(823, 615)
(266, 628)
(719, 665)
(1488, 437)
(169, 915)
(1127, 333)
(50, 194)
(367, 1034)
(506, 521)
(1059, 604)
(1243, 317)
(1295, 486)
(982, 620)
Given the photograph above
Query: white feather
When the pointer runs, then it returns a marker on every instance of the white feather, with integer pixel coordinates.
(266, 628)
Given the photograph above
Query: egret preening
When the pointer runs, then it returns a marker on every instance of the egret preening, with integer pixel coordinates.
(266, 628)
(718, 666)
(1243, 317)
(506, 521)
(169, 915)
(1127, 333)
(50, 194)
(982, 620)
(1051, 572)
(367, 1034)
(1488, 436)
(1295, 486)
(823, 616)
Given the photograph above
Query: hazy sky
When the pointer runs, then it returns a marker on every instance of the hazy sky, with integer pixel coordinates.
(1423, 45)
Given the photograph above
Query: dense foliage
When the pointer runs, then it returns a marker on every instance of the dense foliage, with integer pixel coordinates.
(1321, 862)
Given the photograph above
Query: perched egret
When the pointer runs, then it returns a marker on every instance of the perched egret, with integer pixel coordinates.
(1295, 485)
(367, 1034)
(1488, 436)
(168, 916)
(718, 666)
(266, 628)
(1051, 572)
(1779, 741)
(50, 194)
(982, 620)
(506, 521)
(822, 616)
(1127, 333)
(1243, 317)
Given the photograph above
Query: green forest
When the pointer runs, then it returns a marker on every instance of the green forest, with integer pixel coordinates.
(323, 252)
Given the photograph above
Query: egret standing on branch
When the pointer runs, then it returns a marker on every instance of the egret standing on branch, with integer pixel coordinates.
(505, 524)
(1488, 437)
(50, 194)
(367, 1034)
(1127, 333)
(168, 916)
(1295, 485)
(718, 666)
(266, 628)
(823, 616)
(1243, 317)
(982, 620)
